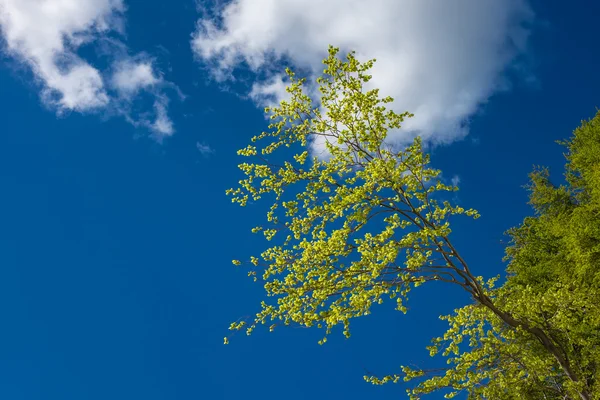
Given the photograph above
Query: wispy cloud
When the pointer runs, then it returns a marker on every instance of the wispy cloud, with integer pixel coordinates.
(130, 76)
(439, 59)
(271, 91)
(455, 180)
(162, 126)
(46, 35)
(204, 149)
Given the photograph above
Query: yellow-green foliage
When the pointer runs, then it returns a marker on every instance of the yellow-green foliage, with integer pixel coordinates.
(366, 222)
(357, 227)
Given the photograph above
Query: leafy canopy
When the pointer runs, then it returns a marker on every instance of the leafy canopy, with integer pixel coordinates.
(367, 222)
(359, 226)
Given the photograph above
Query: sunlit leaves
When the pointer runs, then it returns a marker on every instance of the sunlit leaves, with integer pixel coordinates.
(362, 223)
(353, 221)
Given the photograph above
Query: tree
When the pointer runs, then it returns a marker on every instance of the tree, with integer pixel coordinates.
(553, 285)
(368, 222)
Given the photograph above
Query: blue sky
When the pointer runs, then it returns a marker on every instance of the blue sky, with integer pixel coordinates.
(120, 122)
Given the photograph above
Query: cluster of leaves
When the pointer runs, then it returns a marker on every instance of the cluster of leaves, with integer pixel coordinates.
(366, 222)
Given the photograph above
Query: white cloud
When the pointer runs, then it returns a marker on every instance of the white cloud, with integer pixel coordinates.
(271, 92)
(80, 88)
(130, 77)
(46, 35)
(162, 125)
(204, 149)
(439, 59)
